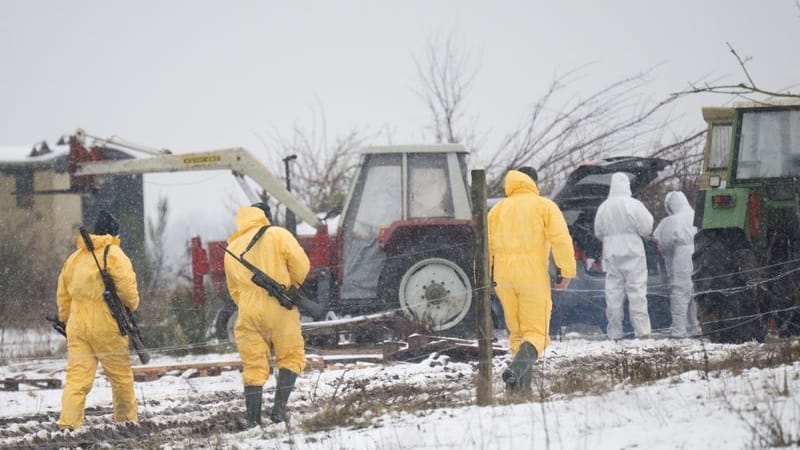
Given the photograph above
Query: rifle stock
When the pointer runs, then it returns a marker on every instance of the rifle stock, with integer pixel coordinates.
(58, 325)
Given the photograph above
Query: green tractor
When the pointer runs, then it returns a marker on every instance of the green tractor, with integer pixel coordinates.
(747, 250)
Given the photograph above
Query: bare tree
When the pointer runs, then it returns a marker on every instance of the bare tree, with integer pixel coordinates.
(445, 77)
(154, 271)
(556, 135)
(324, 167)
(616, 118)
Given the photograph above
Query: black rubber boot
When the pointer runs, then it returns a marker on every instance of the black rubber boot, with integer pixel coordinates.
(252, 403)
(285, 385)
(519, 374)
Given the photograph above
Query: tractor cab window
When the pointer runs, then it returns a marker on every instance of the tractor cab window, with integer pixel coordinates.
(379, 200)
(769, 145)
(720, 143)
(375, 204)
(429, 192)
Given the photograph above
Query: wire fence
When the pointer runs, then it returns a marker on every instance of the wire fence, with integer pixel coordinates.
(22, 345)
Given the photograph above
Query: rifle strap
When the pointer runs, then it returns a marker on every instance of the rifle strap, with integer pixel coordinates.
(105, 258)
(91, 250)
(255, 239)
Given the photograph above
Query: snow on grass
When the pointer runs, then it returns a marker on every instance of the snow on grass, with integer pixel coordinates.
(693, 395)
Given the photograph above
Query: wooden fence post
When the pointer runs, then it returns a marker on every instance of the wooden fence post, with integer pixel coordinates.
(482, 291)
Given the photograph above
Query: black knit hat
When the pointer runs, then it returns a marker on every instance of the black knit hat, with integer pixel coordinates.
(531, 172)
(106, 224)
(264, 207)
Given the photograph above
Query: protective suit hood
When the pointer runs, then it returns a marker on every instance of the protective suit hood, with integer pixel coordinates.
(247, 218)
(517, 182)
(620, 185)
(98, 240)
(676, 202)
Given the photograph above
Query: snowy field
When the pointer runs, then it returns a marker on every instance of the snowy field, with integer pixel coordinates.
(591, 394)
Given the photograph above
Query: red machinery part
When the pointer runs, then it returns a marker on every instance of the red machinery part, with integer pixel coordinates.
(78, 153)
(216, 260)
(200, 267)
(754, 213)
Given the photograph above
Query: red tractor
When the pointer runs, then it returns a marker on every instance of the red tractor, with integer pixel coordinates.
(402, 243)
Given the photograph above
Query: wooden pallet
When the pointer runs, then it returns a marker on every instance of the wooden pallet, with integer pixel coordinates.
(12, 384)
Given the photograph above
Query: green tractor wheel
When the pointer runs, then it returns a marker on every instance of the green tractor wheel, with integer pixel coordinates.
(729, 298)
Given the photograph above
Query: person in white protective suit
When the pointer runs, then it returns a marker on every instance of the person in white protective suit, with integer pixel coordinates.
(675, 236)
(621, 223)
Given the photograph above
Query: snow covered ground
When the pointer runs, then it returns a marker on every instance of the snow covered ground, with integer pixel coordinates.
(654, 394)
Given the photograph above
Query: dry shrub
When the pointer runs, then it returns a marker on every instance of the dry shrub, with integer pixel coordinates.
(359, 402)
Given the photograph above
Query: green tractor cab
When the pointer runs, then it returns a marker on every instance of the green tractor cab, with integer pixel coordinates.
(748, 215)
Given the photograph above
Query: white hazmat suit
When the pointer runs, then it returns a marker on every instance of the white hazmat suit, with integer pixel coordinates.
(621, 223)
(675, 236)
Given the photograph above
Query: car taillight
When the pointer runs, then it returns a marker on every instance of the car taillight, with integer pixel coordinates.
(722, 201)
(591, 264)
(754, 213)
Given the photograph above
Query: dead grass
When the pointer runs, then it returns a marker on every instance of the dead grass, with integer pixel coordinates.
(359, 403)
(601, 374)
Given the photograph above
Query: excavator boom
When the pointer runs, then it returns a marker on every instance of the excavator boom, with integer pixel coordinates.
(237, 159)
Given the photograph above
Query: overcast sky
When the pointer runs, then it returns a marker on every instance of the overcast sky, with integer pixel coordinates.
(198, 75)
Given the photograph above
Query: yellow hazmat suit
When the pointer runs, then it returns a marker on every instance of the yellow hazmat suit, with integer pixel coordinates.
(262, 320)
(522, 229)
(92, 333)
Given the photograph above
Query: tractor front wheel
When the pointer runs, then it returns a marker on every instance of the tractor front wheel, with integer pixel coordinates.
(728, 300)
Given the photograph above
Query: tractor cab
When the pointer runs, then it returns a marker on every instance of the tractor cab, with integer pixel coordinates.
(748, 215)
(408, 206)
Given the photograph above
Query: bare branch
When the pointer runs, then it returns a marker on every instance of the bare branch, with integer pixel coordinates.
(740, 89)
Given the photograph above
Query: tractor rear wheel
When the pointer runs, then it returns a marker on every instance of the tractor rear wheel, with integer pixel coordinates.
(728, 301)
(432, 289)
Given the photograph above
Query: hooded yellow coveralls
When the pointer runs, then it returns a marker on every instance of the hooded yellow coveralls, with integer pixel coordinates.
(262, 320)
(92, 333)
(522, 229)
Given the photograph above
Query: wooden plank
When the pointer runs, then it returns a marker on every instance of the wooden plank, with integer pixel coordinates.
(213, 368)
(12, 384)
(420, 346)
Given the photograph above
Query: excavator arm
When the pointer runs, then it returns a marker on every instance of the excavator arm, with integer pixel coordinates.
(238, 160)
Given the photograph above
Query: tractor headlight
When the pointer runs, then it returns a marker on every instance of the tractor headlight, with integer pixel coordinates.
(714, 181)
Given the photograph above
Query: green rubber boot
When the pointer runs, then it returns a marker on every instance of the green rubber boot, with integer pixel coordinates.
(252, 403)
(519, 374)
(285, 385)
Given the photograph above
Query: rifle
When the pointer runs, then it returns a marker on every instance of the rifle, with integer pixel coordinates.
(288, 298)
(125, 321)
(58, 325)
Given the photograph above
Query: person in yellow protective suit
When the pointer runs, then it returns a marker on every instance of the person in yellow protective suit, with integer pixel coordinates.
(92, 333)
(262, 322)
(523, 228)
